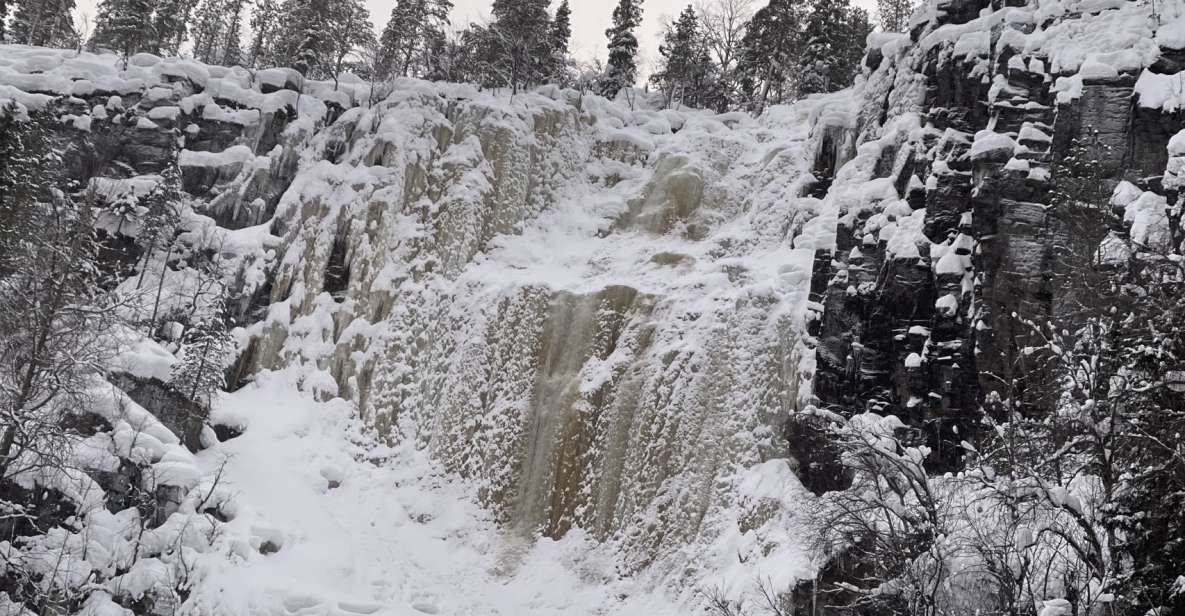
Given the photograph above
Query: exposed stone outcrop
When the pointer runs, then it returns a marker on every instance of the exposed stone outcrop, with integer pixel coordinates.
(923, 319)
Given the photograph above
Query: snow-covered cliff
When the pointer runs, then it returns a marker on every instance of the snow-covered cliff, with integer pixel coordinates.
(595, 321)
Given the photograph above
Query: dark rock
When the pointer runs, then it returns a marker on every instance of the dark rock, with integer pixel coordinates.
(178, 413)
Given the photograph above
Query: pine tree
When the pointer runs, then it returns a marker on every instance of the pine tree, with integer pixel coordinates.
(45, 23)
(125, 26)
(622, 71)
(894, 14)
(265, 21)
(218, 32)
(414, 25)
(232, 52)
(316, 36)
(561, 36)
(171, 24)
(770, 51)
(350, 29)
(206, 350)
(520, 42)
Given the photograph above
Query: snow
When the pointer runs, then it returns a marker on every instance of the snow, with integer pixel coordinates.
(989, 143)
(947, 305)
(397, 537)
(1164, 92)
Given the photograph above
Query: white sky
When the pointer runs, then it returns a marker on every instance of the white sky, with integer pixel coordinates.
(590, 18)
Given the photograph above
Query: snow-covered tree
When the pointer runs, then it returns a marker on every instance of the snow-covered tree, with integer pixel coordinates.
(316, 36)
(206, 350)
(519, 42)
(833, 45)
(622, 69)
(413, 27)
(171, 25)
(125, 26)
(351, 31)
(561, 35)
(45, 23)
(24, 180)
(55, 315)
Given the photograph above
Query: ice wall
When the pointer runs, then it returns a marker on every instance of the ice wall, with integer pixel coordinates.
(596, 314)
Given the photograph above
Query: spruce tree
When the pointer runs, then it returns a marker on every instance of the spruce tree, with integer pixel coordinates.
(3, 21)
(45, 23)
(561, 36)
(125, 26)
(622, 71)
(521, 42)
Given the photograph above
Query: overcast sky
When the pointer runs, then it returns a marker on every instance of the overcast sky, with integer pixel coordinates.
(590, 18)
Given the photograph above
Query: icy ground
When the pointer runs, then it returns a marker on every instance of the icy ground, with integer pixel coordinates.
(394, 538)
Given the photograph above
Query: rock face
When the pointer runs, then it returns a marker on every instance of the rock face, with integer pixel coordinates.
(924, 298)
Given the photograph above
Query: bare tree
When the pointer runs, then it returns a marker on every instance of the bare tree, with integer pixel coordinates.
(723, 24)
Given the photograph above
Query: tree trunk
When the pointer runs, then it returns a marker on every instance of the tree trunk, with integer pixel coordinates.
(159, 289)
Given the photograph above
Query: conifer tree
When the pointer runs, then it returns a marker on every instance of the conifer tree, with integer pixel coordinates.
(561, 36)
(894, 14)
(414, 26)
(770, 50)
(45, 23)
(265, 21)
(125, 26)
(162, 216)
(350, 30)
(171, 25)
(317, 36)
(622, 71)
(520, 39)
(217, 35)
(686, 67)
(3, 21)
(834, 42)
(232, 52)
(25, 180)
